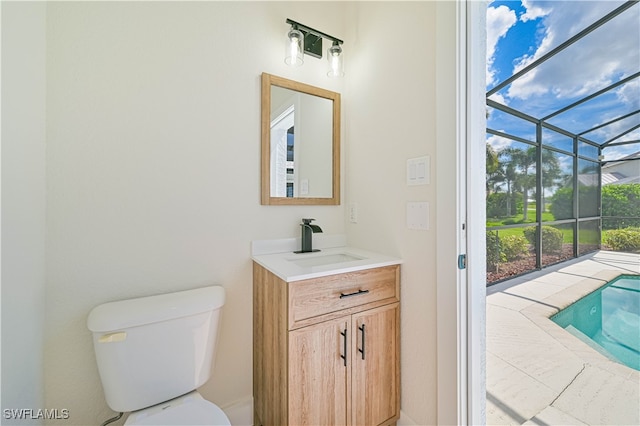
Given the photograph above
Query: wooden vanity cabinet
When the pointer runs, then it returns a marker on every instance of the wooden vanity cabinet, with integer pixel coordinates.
(326, 351)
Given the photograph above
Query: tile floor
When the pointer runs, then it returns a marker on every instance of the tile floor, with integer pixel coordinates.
(539, 374)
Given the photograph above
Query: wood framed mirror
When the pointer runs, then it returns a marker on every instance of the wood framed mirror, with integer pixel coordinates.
(300, 163)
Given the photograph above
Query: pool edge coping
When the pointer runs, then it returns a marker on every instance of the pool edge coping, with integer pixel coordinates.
(541, 311)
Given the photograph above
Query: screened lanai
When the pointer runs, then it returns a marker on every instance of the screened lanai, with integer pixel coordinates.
(563, 142)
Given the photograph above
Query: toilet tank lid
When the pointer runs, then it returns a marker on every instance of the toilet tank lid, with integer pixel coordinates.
(124, 314)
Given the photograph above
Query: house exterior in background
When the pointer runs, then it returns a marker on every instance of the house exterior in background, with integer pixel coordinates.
(621, 172)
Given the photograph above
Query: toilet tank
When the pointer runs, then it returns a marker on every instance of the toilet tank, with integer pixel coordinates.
(152, 349)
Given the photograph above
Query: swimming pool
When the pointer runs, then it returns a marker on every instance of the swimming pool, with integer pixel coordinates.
(608, 320)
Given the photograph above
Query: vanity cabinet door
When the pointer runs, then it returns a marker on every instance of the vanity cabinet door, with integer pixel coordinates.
(319, 373)
(376, 366)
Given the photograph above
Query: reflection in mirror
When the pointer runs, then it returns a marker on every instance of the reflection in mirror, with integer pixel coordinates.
(301, 158)
(300, 143)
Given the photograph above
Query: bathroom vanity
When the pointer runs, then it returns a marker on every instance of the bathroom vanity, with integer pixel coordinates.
(326, 338)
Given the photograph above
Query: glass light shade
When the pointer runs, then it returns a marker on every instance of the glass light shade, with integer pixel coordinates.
(334, 56)
(293, 49)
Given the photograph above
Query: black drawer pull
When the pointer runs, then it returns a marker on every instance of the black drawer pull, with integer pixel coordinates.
(344, 357)
(342, 295)
(361, 328)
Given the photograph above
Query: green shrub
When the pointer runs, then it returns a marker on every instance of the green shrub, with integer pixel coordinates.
(621, 200)
(513, 247)
(530, 234)
(494, 254)
(623, 239)
(552, 238)
(496, 205)
(505, 249)
(562, 204)
(499, 204)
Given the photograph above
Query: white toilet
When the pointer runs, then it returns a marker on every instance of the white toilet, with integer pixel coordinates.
(153, 352)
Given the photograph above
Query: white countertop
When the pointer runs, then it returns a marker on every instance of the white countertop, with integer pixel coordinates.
(291, 266)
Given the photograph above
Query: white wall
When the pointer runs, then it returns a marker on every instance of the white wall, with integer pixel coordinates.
(390, 117)
(23, 205)
(152, 169)
(315, 158)
(447, 234)
(153, 147)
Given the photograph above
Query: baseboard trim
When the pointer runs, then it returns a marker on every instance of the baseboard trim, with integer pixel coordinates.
(405, 420)
(240, 412)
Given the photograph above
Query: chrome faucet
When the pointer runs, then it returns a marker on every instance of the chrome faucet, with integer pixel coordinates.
(307, 234)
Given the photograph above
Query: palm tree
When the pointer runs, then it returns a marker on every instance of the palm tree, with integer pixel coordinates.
(492, 167)
(551, 172)
(523, 160)
(506, 174)
(510, 176)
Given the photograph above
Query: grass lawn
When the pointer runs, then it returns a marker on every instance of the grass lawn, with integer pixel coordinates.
(587, 236)
(567, 233)
(517, 219)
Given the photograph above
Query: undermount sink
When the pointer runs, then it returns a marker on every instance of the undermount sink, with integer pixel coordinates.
(324, 259)
(334, 257)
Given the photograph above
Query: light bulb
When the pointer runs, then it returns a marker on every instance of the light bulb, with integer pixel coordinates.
(334, 56)
(293, 49)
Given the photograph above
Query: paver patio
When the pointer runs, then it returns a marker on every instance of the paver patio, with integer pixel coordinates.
(538, 373)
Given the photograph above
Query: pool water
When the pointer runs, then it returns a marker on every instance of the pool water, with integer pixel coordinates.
(608, 320)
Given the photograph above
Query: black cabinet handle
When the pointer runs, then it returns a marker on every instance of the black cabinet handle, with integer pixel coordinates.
(344, 347)
(361, 328)
(356, 293)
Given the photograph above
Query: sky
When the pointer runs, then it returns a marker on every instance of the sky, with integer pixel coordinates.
(519, 32)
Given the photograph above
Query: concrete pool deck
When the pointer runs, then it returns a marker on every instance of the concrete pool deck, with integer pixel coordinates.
(538, 373)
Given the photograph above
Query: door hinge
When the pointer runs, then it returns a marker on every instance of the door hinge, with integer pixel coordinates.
(462, 261)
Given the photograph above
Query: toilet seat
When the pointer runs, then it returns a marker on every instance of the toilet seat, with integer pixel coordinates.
(189, 409)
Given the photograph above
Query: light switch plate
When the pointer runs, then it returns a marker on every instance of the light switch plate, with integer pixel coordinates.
(304, 187)
(418, 215)
(418, 171)
(353, 213)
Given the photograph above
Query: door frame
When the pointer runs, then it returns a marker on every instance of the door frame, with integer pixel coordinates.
(460, 209)
(474, 41)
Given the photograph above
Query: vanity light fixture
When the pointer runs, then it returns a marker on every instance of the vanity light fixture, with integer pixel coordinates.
(303, 40)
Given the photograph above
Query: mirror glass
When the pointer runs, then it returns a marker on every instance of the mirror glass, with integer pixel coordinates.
(300, 143)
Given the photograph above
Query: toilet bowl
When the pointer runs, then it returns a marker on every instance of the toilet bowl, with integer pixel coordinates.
(189, 409)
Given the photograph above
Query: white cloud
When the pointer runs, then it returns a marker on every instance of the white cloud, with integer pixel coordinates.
(499, 20)
(613, 130)
(498, 142)
(617, 152)
(497, 97)
(617, 129)
(591, 64)
(629, 93)
(534, 11)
